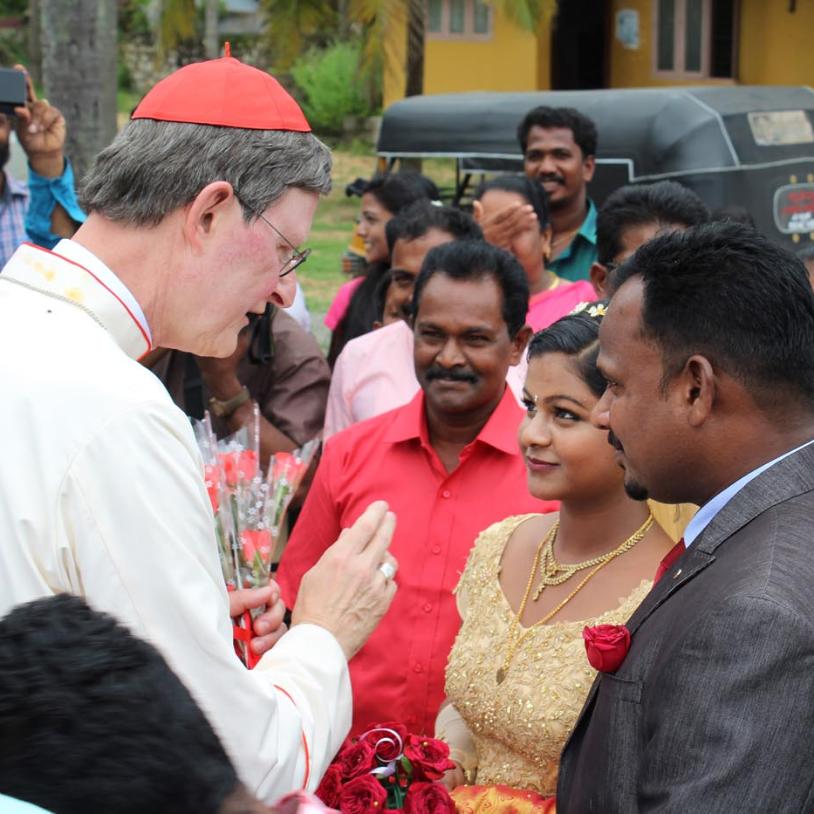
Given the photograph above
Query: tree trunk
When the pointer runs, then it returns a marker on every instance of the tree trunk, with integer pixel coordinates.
(211, 29)
(415, 48)
(34, 64)
(414, 69)
(343, 19)
(79, 72)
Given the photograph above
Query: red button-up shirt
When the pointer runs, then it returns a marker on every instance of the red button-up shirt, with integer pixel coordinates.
(399, 674)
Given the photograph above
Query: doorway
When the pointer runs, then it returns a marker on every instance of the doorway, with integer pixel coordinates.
(579, 33)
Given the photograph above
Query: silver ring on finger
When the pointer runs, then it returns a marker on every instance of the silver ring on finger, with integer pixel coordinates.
(388, 571)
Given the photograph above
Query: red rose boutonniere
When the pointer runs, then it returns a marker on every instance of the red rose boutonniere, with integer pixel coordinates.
(606, 646)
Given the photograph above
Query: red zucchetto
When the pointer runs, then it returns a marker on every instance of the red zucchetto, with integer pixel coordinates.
(223, 92)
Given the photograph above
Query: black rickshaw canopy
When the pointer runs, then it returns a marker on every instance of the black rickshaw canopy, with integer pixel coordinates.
(746, 145)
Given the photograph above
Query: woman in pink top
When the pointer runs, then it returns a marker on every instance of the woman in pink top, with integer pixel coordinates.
(552, 297)
(353, 310)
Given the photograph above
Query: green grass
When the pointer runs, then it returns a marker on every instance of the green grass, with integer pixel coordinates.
(126, 100)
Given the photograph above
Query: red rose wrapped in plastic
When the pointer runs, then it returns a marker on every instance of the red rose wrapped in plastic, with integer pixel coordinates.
(428, 798)
(362, 795)
(256, 543)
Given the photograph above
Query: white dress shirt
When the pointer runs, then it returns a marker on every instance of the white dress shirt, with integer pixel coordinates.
(706, 514)
(102, 495)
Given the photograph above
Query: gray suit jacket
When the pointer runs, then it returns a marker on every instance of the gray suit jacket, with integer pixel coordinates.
(713, 708)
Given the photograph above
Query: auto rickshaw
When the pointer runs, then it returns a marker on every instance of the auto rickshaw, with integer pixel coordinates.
(750, 146)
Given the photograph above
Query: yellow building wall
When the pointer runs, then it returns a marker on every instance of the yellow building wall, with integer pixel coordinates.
(774, 46)
(508, 61)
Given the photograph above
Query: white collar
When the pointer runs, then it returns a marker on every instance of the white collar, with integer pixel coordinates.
(94, 290)
(706, 514)
(71, 250)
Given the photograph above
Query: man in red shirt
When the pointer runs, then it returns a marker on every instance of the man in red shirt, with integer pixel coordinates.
(447, 463)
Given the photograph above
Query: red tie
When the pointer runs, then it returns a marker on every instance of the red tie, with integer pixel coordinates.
(672, 555)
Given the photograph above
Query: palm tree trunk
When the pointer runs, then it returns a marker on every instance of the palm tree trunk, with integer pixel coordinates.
(211, 29)
(415, 48)
(34, 64)
(79, 72)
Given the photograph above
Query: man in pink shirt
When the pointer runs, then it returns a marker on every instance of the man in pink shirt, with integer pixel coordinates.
(447, 463)
(375, 372)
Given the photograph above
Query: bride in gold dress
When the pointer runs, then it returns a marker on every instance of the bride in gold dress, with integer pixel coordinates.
(518, 675)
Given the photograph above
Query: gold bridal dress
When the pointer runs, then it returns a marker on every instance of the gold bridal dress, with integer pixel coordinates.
(518, 725)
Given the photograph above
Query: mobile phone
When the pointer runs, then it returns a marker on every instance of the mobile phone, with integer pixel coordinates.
(12, 90)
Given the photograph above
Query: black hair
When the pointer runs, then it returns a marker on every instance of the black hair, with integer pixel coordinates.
(734, 213)
(579, 124)
(421, 216)
(725, 291)
(475, 260)
(398, 191)
(665, 202)
(575, 335)
(93, 719)
(529, 189)
(806, 254)
(380, 294)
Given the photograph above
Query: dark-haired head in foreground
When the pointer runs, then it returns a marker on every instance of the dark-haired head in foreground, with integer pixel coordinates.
(469, 319)
(93, 720)
(708, 350)
(634, 214)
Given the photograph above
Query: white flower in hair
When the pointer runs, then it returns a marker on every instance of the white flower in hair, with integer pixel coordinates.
(592, 309)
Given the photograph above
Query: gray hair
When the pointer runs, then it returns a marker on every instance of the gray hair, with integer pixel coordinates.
(153, 168)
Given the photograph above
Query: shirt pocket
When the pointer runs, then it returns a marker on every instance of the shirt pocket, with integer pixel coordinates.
(613, 689)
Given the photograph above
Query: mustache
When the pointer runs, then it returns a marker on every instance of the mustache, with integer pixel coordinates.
(614, 442)
(451, 374)
(551, 176)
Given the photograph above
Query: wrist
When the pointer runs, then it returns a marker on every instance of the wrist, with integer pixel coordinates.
(225, 407)
(48, 165)
(242, 414)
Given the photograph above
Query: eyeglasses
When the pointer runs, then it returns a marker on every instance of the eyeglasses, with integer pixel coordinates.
(298, 256)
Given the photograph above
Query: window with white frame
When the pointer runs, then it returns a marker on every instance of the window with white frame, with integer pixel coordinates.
(695, 38)
(459, 19)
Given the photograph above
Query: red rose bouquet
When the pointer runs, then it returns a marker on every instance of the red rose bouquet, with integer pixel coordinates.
(388, 768)
(249, 507)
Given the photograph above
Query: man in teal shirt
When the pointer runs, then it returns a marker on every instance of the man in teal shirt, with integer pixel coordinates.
(559, 151)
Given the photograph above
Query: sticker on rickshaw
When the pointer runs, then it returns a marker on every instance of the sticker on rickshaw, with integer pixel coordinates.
(794, 208)
(778, 127)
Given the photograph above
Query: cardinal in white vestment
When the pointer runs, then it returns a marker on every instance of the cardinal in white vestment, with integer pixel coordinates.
(194, 213)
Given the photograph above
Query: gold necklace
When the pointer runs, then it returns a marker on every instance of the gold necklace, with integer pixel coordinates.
(555, 573)
(514, 639)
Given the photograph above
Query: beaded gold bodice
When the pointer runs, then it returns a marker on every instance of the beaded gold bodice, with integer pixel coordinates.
(520, 726)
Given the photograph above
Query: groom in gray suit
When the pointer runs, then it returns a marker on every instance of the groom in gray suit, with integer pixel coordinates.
(708, 350)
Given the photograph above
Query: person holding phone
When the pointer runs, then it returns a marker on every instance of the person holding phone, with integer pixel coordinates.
(46, 209)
